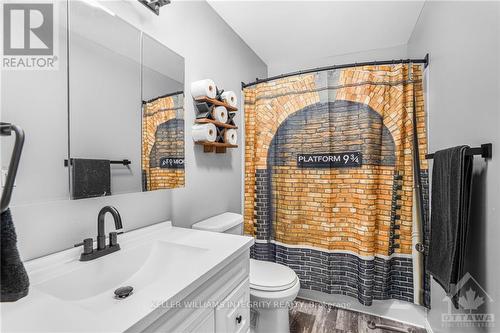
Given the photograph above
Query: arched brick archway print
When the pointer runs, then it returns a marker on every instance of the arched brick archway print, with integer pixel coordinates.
(163, 141)
(169, 141)
(331, 197)
(330, 220)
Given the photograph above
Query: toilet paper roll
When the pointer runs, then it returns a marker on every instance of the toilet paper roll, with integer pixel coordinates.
(230, 136)
(203, 88)
(230, 98)
(204, 132)
(220, 114)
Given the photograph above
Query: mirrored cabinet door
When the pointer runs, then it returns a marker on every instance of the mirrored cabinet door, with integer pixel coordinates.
(126, 107)
(104, 102)
(162, 116)
(108, 119)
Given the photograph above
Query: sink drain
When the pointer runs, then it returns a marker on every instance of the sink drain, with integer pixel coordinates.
(123, 292)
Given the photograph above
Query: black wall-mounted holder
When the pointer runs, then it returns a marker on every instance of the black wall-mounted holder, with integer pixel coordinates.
(6, 129)
(154, 5)
(486, 151)
(123, 162)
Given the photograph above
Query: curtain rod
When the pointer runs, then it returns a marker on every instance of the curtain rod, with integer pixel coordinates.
(424, 61)
(163, 96)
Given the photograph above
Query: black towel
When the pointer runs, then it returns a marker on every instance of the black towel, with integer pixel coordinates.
(90, 178)
(450, 202)
(14, 281)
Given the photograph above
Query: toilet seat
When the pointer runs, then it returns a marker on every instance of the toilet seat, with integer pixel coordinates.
(270, 276)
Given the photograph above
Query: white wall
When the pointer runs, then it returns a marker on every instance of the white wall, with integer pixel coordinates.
(463, 40)
(285, 66)
(213, 182)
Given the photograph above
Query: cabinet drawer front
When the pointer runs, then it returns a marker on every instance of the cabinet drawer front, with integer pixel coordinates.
(233, 314)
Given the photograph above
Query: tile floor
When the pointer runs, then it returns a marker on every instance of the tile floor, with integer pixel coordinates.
(313, 317)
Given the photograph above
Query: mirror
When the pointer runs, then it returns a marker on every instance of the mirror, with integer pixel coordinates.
(162, 116)
(126, 122)
(114, 96)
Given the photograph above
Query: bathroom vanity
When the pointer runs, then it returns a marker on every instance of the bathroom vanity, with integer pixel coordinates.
(183, 280)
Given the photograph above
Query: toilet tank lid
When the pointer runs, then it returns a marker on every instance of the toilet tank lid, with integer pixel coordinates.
(219, 223)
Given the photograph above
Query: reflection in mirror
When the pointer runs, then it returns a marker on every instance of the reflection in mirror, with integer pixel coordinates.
(162, 117)
(126, 107)
(104, 95)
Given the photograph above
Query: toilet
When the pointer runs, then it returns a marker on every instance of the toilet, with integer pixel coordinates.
(273, 287)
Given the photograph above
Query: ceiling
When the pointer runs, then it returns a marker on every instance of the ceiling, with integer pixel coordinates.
(294, 31)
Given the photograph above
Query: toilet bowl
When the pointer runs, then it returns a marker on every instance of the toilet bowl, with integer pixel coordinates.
(273, 287)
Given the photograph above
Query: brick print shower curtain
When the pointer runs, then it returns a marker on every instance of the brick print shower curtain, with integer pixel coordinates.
(163, 143)
(329, 184)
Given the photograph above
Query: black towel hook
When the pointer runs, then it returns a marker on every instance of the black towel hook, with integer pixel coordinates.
(5, 130)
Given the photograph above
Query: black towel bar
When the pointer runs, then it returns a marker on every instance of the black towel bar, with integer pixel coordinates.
(123, 162)
(486, 151)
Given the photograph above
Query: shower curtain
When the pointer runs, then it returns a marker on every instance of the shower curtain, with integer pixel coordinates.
(329, 183)
(163, 142)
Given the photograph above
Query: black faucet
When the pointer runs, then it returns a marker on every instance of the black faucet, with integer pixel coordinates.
(102, 249)
(101, 237)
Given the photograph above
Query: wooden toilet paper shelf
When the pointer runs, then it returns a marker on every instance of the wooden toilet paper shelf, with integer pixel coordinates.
(216, 102)
(215, 122)
(218, 147)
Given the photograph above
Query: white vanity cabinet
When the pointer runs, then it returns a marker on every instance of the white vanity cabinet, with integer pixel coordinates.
(184, 280)
(220, 304)
(233, 314)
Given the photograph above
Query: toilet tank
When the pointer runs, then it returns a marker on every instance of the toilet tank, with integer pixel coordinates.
(228, 223)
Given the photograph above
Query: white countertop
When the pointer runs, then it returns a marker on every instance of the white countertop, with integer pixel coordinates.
(42, 311)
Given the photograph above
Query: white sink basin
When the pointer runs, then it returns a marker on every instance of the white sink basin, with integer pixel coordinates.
(162, 263)
(138, 267)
